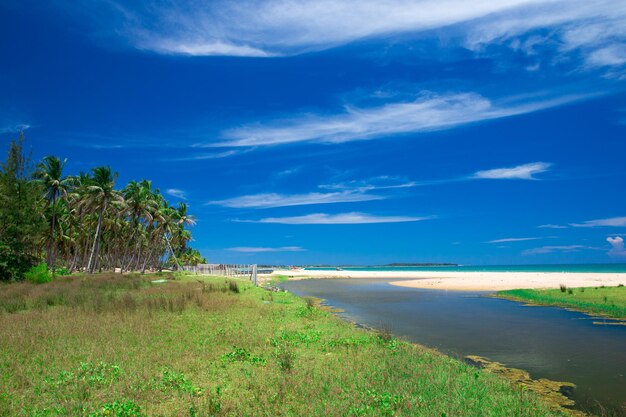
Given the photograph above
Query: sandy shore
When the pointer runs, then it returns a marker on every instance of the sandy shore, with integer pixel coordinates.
(473, 281)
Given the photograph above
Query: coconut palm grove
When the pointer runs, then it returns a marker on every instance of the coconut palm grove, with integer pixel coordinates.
(55, 223)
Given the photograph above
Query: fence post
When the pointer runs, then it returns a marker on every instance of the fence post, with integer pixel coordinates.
(254, 273)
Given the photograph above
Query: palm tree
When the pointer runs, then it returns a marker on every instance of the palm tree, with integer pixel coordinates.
(185, 219)
(50, 174)
(100, 195)
(180, 235)
(141, 203)
(167, 222)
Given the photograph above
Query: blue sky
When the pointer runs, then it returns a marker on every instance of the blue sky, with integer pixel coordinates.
(339, 131)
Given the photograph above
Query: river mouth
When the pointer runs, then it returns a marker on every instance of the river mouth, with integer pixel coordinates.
(548, 342)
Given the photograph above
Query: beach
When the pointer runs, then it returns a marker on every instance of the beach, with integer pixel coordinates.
(471, 281)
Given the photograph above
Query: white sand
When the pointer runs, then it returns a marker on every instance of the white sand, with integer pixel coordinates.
(473, 281)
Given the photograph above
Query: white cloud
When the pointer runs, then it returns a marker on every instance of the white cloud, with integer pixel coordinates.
(613, 55)
(561, 249)
(613, 222)
(15, 128)
(617, 246)
(594, 30)
(263, 28)
(175, 192)
(383, 182)
(270, 200)
(514, 239)
(344, 192)
(426, 112)
(202, 48)
(205, 156)
(343, 218)
(522, 172)
(248, 249)
(551, 226)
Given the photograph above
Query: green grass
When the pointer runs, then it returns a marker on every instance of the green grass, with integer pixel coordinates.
(120, 346)
(606, 301)
(277, 279)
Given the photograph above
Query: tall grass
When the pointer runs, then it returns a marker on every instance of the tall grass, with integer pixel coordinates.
(110, 345)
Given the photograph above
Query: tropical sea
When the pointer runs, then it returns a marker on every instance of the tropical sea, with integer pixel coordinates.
(594, 268)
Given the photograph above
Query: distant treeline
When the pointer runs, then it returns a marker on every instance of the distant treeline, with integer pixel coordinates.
(422, 264)
(82, 222)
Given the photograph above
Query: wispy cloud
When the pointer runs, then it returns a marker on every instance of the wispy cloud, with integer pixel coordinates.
(344, 192)
(14, 128)
(426, 112)
(520, 172)
(249, 249)
(266, 28)
(573, 29)
(361, 190)
(610, 222)
(514, 239)
(343, 218)
(270, 200)
(551, 226)
(558, 249)
(383, 182)
(613, 55)
(175, 192)
(208, 155)
(617, 246)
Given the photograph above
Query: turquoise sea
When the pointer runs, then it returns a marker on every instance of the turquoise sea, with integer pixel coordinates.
(598, 268)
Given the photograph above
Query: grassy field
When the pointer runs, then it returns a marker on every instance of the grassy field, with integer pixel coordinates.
(121, 346)
(606, 301)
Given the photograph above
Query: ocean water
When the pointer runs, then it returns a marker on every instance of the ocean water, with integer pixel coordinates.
(596, 268)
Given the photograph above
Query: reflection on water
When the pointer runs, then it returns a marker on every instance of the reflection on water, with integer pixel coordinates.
(548, 342)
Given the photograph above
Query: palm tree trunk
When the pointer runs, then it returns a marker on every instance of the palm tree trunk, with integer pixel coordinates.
(50, 259)
(172, 251)
(143, 268)
(95, 245)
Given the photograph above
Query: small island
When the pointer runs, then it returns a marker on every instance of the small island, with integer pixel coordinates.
(420, 264)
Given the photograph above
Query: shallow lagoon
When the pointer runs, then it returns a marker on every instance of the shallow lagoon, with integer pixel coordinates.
(548, 342)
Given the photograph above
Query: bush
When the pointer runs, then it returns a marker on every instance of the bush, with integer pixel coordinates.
(61, 271)
(13, 265)
(233, 287)
(39, 274)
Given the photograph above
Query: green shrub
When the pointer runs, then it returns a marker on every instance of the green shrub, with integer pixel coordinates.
(285, 358)
(242, 355)
(38, 274)
(13, 265)
(177, 381)
(118, 409)
(61, 271)
(233, 287)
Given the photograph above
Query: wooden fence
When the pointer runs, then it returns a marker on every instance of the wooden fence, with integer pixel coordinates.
(225, 270)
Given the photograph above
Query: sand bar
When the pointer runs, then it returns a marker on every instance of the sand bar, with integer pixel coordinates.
(472, 281)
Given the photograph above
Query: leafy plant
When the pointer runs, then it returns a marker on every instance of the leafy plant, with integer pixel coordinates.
(118, 409)
(39, 274)
(61, 271)
(177, 381)
(242, 355)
